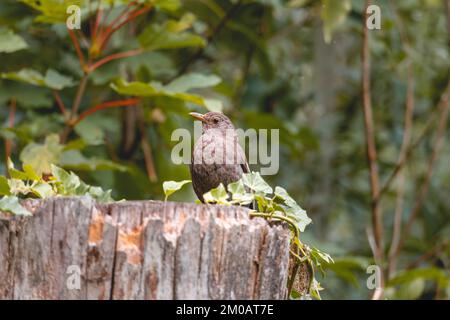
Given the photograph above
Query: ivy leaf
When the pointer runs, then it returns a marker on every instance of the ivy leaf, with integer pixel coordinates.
(282, 194)
(41, 156)
(170, 187)
(43, 190)
(5, 190)
(11, 42)
(236, 188)
(292, 209)
(100, 195)
(14, 173)
(31, 174)
(298, 215)
(217, 195)
(67, 183)
(256, 183)
(11, 204)
(239, 194)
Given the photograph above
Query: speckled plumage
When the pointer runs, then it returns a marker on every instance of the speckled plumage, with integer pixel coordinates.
(217, 156)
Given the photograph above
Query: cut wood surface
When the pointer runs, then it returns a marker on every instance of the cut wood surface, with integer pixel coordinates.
(74, 248)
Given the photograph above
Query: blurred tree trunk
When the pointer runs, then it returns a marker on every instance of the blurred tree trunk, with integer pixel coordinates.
(324, 121)
(73, 248)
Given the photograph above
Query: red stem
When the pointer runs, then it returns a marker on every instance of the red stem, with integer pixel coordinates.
(121, 15)
(98, 19)
(59, 102)
(111, 29)
(114, 56)
(76, 44)
(105, 105)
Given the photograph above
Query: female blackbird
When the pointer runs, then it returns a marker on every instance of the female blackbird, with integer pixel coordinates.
(217, 156)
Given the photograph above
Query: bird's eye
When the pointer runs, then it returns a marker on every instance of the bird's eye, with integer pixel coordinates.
(216, 120)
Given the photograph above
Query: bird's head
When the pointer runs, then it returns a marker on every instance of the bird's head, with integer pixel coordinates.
(213, 120)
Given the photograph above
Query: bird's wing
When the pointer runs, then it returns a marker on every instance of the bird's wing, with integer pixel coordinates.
(242, 160)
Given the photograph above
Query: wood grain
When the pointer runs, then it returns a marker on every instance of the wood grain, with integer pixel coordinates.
(141, 250)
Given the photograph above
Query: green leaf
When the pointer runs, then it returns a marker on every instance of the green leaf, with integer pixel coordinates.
(217, 195)
(14, 173)
(75, 160)
(57, 81)
(333, 15)
(298, 215)
(170, 187)
(43, 190)
(411, 290)
(51, 80)
(11, 204)
(236, 188)
(321, 256)
(239, 194)
(67, 183)
(4, 186)
(52, 11)
(156, 89)
(256, 183)
(41, 156)
(100, 195)
(435, 274)
(192, 81)
(31, 174)
(168, 5)
(90, 132)
(282, 194)
(11, 42)
(26, 75)
(292, 209)
(170, 35)
(29, 97)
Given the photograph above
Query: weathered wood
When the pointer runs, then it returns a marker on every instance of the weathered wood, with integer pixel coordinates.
(140, 250)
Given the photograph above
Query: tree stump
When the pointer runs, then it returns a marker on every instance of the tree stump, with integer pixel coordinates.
(74, 248)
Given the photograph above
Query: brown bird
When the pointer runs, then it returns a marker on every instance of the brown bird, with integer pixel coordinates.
(217, 156)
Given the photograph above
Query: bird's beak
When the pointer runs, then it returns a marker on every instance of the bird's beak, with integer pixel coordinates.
(197, 115)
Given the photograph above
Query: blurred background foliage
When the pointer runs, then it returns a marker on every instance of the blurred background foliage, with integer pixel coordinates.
(291, 65)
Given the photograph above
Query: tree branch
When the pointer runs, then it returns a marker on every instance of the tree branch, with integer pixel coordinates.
(60, 103)
(114, 56)
(105, 105)
(430, 253)
(79, 95)
(370, 145)
(112, 29)
(76, 44)
(408, 123)
(439, 140)
(146, 148)
(420, 198)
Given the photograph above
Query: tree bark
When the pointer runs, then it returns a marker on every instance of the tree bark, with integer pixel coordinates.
(74, 248)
